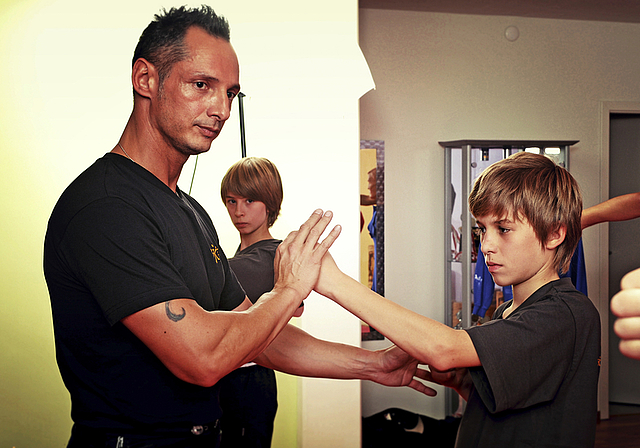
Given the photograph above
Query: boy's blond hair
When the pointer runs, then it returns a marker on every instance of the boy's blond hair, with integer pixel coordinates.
(258, 179)
(533, 187)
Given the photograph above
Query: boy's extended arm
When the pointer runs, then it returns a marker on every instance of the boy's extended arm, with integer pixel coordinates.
(427, 340)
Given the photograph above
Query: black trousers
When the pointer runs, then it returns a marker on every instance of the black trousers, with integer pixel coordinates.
(249, 401)
(197, 437)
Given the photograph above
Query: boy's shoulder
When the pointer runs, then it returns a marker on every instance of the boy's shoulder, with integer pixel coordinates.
(559, 293)
(564, 290)
(581, 307)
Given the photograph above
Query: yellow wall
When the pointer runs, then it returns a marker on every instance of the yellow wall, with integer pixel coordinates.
(285, 431)
(32, 397)
(65, 97)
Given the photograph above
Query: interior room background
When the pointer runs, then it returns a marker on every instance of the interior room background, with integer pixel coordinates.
(66, 96)
(442, 77)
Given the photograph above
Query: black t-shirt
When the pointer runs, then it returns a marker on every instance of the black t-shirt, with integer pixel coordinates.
(119, 241)
(253, 267)
(538, 382)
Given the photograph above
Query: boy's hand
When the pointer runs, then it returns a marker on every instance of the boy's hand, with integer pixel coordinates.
(626, 306)
(299, 256)
(457, 379)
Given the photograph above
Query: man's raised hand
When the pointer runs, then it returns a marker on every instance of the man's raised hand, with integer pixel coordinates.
(299, 256)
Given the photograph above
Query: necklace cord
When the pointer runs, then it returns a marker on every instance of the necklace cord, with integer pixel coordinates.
(125, 152)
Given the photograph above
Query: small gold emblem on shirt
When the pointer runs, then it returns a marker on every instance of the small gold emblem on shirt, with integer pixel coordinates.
(214, 252)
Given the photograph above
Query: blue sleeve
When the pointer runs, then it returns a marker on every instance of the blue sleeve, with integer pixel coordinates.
(577, 270)
(483, 287)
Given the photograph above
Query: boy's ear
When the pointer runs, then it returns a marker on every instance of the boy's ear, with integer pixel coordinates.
(556, 237)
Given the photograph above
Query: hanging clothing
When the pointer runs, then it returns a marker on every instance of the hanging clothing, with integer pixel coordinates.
(372, 231)
(483, 287)
(577, 270)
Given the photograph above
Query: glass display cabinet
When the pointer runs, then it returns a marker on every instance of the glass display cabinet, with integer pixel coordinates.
(464, 162)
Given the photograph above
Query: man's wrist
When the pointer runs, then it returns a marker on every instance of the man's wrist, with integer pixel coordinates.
(289, 294)
(368, 365)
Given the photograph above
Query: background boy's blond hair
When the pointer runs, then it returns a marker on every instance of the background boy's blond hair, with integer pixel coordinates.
(258, 179)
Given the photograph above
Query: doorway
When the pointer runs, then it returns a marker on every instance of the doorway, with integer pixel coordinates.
(624, 253)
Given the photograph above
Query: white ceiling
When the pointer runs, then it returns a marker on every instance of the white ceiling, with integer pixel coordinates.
(598, 10)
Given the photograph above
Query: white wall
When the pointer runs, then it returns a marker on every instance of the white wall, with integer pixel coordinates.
(446, 77)
(65, 98)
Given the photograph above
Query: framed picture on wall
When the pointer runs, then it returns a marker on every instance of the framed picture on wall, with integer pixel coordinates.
(372, 222)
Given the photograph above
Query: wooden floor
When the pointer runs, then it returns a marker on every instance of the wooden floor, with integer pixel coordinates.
(619, 431)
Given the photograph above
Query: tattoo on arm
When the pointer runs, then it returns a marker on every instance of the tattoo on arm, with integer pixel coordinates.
(171, 315)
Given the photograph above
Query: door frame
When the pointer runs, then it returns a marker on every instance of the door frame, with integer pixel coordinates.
(607, 108)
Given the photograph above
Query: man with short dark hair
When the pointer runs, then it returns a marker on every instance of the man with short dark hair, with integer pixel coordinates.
(147, 314)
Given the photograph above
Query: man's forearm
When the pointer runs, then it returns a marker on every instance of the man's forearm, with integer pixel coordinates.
(296, 352)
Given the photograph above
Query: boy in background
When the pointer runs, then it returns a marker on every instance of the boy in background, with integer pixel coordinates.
(252, 192)
(530, 374)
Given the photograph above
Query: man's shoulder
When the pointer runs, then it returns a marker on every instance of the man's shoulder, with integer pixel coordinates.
(112, 177)
(86, 188)
(92, 183)
(112, 188)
